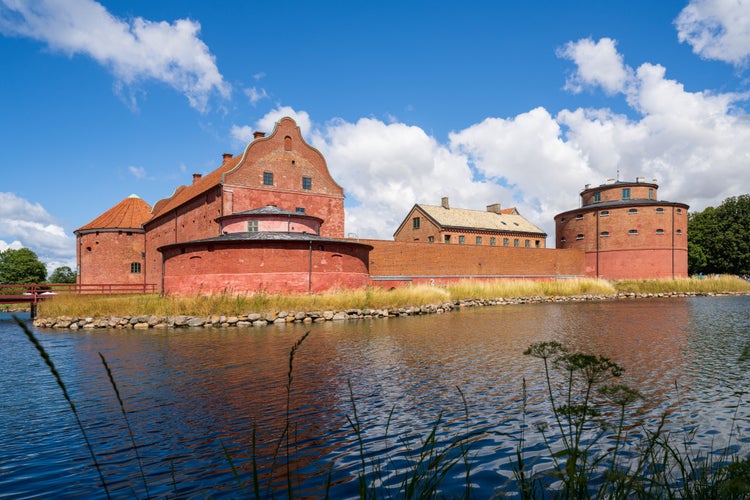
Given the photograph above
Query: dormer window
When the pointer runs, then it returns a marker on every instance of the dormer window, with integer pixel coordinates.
(252, 226)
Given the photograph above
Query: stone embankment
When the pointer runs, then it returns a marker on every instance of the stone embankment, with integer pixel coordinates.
(282, 317)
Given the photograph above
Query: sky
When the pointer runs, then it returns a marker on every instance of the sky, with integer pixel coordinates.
(521, 103)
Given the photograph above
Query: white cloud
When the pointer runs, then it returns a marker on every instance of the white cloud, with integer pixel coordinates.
(717, 29)
(597, 64)
(134, 51)
(268, 122)
(137, 172)
(29, 225)
(254, 95)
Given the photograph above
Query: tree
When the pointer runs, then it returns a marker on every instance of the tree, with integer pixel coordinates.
(62, 274)
(21, 266)
(719, 238)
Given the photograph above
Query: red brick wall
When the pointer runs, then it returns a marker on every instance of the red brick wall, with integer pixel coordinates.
(638, 244)
(274, 267)
(105, 257)
(449, 262)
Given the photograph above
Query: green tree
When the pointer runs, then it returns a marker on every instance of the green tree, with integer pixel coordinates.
(62, 274)
(719, 238)
(21, 266)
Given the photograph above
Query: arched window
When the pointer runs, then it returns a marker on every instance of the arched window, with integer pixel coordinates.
(287, 143)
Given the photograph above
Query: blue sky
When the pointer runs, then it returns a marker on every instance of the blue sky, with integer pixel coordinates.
(521, 103)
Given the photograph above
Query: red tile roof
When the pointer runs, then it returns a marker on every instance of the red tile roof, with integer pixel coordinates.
(185, 193)
(130, 213)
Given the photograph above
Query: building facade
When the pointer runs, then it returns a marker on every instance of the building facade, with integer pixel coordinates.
(626, 232)
(460, 226)
(111, 248)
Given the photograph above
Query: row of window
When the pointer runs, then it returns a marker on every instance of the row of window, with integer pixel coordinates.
(632, 232)
(625, 195)
(268, 181)
(493, 241)
(631, 211)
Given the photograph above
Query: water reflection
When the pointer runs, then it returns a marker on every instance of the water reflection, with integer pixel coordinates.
(191, 393)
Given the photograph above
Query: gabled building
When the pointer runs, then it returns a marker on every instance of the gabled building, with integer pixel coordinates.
(626, 232)
(493, 227)
(111, 248)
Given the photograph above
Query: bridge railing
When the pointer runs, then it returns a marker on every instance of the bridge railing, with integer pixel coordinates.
(42, 289)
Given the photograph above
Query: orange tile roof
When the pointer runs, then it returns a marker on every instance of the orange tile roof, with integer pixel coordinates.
(130, 213)
(185, 193)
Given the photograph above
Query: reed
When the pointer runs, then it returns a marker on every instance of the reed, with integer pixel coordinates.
(703, 284)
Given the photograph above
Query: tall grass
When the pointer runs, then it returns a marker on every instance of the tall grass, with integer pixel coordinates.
(705, 284)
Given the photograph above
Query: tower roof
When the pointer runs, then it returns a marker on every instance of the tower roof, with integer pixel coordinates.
(130, 213)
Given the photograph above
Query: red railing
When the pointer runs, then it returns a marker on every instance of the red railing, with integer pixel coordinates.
(34, 292)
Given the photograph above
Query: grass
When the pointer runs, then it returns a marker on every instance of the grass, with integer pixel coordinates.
(590, 425)
(369, 298)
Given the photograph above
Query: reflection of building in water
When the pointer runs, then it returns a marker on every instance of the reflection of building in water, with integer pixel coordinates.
(625, 232)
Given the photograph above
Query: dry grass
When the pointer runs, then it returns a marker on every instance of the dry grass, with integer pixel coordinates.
(367, 298)
(706, 284)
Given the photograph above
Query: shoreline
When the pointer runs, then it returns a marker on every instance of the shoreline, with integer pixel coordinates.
(257, 320)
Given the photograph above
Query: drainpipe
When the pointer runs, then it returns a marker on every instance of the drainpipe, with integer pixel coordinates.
(309, 270)
(673, 209)
(596, 214)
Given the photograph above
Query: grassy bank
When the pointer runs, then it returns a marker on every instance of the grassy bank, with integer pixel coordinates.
(370, 298)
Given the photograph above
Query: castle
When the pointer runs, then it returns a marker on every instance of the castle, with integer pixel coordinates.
(272, 220)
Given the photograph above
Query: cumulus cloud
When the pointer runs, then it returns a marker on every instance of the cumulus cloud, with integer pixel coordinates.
(255, 94)
(136, 50)
(717, 29)
(28, 225)
(695, 144)
(137, 172)
(597, 64)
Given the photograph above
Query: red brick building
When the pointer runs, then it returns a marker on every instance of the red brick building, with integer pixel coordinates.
(493, 227)
(111, 248)
(626, 232)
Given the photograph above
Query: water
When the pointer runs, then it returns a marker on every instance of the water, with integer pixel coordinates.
(191, 394)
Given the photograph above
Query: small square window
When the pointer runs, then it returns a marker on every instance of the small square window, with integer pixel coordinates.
(307, 183)
(252, 226)
(579, 216)
(604, 213)
(135, 268)
(633, 211)
(633, 232)
(579, 236)
(268, 178)
(447, 238)
(506, 242)
(625, 193)
(493, 242)
(461, 240)
(604, 234)
(659, 210)
(300, 210)
(659, 231)
(527, 243)
(479, 240)
(431, 239)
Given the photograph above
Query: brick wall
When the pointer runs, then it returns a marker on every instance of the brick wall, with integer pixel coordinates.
(449, 262)
(106, 257)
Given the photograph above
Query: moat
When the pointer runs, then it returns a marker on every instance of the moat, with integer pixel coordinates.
(189, 391)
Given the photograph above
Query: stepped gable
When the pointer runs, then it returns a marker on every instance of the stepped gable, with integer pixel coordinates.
(463, 218)
(131, 213)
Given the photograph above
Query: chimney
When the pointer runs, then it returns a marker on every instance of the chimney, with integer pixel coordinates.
(196, 178)
(258, 135)
(494, 208)
(444, 202)
(640, 179)
(226, 156)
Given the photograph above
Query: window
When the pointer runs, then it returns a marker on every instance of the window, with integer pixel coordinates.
(579, 236)
(597, 197)
(493, 242)
(268, 178)
(479, 240)
(536, 243)
(307, 183)
(135, 268)
(679, 231)
(633, 211)
(579, 216)
(415, 223)
(650, 193)
(604, 213)
(506, 241)
(431, 239)
(679, 210)
(633, 232)
(252, 226)
(659, 210)
(563, 239)
(447, 238)
(299, 210)
(659, 231)
(527, 243)
(625, 193)
(604, 234)
(515, 242)
(461, 240)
